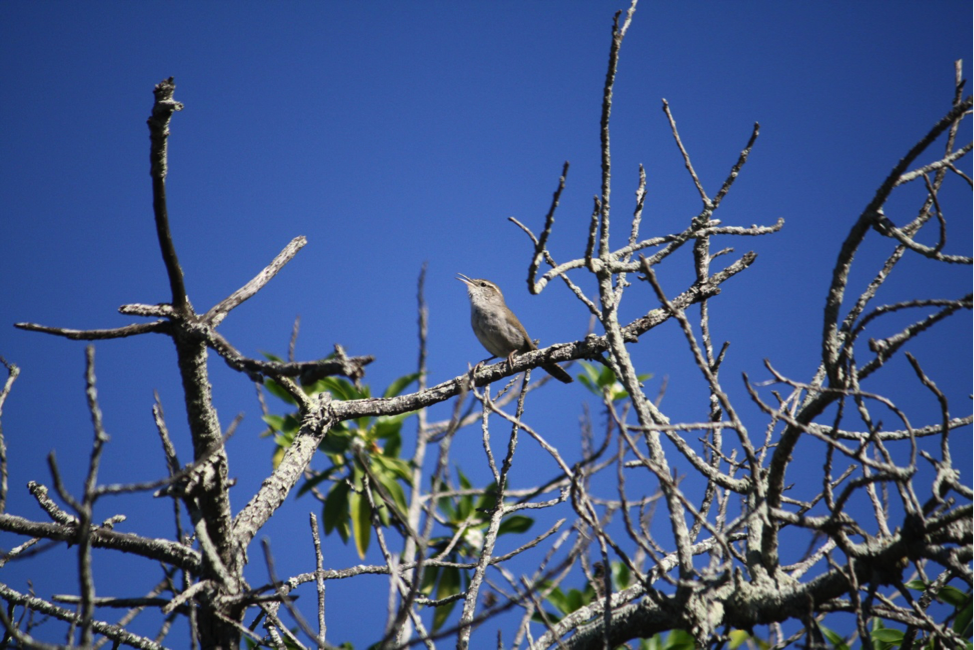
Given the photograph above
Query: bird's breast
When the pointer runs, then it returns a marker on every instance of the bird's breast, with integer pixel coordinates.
(495, 332)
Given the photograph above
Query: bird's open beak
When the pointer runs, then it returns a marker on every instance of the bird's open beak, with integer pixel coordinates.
(464, 279)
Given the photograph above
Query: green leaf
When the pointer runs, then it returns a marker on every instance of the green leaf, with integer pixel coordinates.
(918, 585)
(621, 576)
(394, 490)
(655, 642)
(560, 600)
(446, 506)
(487, 501)
(392, 447)
(283, 441)
(336, 441)
(576, 600)
(430, 574)
(449, 585)
(361, 513)
(340, 389)
(400, 384)
(515, 524)
(382, 511)
(465, 505)
(888, 635)
(272, 357)
(590, 378)
(962, 624)
(953, 596)
(315, 480)
(335, 512)
(291, 424)
(464, 508)
(679, 640)
(278, 391)
(398, 468)
(588, 384)
(278, 456)
(884, 638)
(603, 381)
(737, 637)
(388, 425)
(834, 638)
(283, 423)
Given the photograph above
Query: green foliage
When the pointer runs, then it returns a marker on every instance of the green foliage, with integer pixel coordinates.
(740, 637)
(674, 640)
(445, 582)
(567, 602)
(369, 448)
(602, 382)
(885, 638)
(469, 513)
(962, 603)
(833, 637)
(366, 448)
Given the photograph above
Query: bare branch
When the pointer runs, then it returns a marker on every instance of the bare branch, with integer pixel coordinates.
(12, 372)
(94, 335)
(162, 112)
(219, 311)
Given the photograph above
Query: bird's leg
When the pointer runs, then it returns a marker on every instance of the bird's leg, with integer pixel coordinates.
(475, 370)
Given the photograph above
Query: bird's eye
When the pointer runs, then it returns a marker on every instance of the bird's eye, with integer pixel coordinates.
(483, 284)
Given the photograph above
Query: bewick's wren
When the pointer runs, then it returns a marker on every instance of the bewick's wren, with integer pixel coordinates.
(496, 326)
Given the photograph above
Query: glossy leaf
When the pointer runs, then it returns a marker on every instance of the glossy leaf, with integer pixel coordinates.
(278, 456)
(316, 480)
(388, 425)
(335, 511)
(278, 391)
(394, 490)
(953, 596)
(336, 441)
(430, 574)
(449, 585)
(393, 446)
(621, 576)
(962, 624)
(361, 513)
(679, 640)
(397, 386)
(737, 637)
(488, 500)
(837, 641)
(888, 635)
(394, 466)
(603, 381)
(515, 524)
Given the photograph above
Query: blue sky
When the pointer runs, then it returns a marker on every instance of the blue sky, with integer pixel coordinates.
(393, 134)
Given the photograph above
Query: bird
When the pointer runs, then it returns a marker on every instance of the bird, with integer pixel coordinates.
(496, 326)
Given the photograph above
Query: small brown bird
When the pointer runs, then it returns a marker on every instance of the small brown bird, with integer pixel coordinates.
(496, 326)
